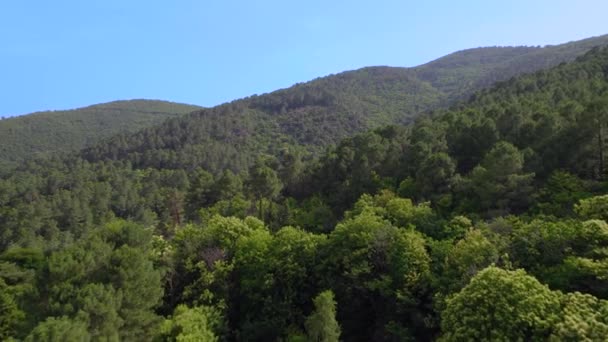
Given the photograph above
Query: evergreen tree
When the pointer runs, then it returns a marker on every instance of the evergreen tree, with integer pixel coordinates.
(321, 325)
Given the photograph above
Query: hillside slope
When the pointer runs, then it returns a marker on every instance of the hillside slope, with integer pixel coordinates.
(459, 74)
(414, 229)
(45, 132)
(483, 156)
(313, 115)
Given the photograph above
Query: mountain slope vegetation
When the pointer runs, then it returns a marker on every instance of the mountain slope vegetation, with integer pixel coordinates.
(483, 221)
(460, 74)
(309, 117)
(40, 134)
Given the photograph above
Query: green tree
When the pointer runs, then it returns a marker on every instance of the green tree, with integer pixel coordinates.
(227, 186)
(203, 261)
(500, 182)
(379, 274)
(321, 325)
(467, 257)
(560, 193)
(584, 318)
(60, 329)
(10, 314)
(593, 208)
(200, 193)
(263, 183)
(500, 305)
(434, 178)
(191, 325)
(109, 278)
(595, 118)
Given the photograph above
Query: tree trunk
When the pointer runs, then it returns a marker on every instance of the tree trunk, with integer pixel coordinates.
(260, 210)
(600, 142)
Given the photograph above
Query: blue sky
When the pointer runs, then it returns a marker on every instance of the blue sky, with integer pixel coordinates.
(67, 54)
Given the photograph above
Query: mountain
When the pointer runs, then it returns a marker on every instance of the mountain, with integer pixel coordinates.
(70, 130)
(311, 116)
(550, 120)
(485, 219)
(459, 74)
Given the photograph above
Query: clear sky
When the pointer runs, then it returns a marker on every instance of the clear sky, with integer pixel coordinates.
(65, 54)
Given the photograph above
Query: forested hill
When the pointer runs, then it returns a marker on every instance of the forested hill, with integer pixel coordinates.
(486, 221)
(485, 155)
(459, 74)
(313, 115)
(41, 133)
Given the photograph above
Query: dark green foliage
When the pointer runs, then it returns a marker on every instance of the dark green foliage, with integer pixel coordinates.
(106, 282)
(309, 117)
(559, 194)
(44, 133)
(499, 181)
(60, 329)
(378, 273)
(413, 230)
(487, 155)
(263, 183)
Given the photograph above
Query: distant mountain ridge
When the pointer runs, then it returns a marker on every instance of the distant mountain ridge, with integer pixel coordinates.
(461, 73)
(70, 130)
(313, 115)
(307, 116)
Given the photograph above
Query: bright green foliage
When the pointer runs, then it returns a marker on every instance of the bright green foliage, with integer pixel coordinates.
(376, 272)
(401, 212)
(61, 329)
(227, 230)
(237, 206)
(276, 280)
(593, 208)
(584, 318)
(321, 325)
(469, 256)
(501, 305)
(202, 260)
(457, 227)
(191, 325)
(10, 315)
(595, 235)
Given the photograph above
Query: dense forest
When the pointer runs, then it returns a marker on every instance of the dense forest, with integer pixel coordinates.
(45, 133)
(484, 221)
(311, 116)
